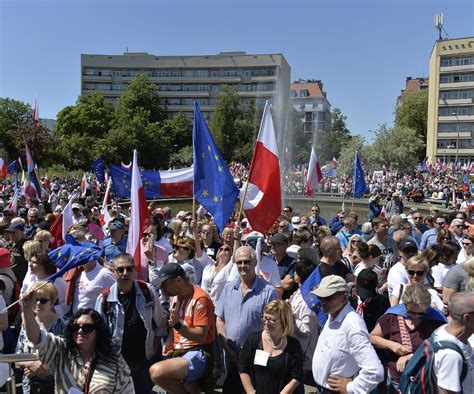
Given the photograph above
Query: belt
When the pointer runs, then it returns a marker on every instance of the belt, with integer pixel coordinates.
(324, 390)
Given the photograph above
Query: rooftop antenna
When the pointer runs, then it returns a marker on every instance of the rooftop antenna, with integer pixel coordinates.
(127, 47)
(438, 23)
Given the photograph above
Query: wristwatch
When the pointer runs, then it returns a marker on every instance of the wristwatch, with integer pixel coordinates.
(178, 326)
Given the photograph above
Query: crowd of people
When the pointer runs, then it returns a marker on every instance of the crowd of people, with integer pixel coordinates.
(329, 304)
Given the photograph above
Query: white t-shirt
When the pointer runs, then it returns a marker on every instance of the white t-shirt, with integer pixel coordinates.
(397, 275)
(89, 285)
(448, 364)
(435, 298)
(438, 272)
(212, 282)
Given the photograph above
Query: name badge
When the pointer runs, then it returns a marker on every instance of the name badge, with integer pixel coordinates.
(261, 358)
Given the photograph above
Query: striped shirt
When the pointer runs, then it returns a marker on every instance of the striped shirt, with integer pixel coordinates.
(110, 377)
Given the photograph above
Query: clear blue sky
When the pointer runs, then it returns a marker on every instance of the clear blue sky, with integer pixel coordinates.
(362, 50)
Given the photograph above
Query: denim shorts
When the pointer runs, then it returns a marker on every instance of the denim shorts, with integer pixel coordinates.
(197, 365)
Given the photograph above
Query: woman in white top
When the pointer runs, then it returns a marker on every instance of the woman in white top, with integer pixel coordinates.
(214, 276)
(447, 260)
(467, 250)
(417, 268)
(369, 255)
(40, 267)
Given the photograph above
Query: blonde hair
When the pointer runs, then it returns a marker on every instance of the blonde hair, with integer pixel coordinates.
(47, 288)
(188, 244)
(43, 235)
(417, 260)
(32, 248)
(416, 293)
(283, 311)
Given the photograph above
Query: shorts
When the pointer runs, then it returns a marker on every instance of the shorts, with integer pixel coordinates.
(197, 365)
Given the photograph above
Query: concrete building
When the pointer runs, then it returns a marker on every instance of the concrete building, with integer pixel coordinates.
(450, 105)
(309, 99)
(413, 85)
(182, 79)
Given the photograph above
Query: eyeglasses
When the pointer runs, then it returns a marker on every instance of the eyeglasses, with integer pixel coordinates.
(440, 223)
(416, 217)
(467, 243)
(86, 328)
(268, 320)
(122, 269)
(43, 301)
(286, 210)
(356, 241)
(177, 247)
(460, 225)
(205, 232)
(243, 262)
(224, 249)
(145, 235)
(417, 273)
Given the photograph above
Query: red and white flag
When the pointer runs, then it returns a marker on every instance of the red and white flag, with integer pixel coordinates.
(384, 169)
(262, 203)
(139, 215)
(314, 175)
(334, 161)
(84, 186)
(59, 227)
(383, 212)
(104, 216)
(35, 112)
(13, 204)
(3, 169)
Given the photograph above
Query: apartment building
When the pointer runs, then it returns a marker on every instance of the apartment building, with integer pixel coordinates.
(413, 85)
(309, 99)
(183, 79)
(450, 105)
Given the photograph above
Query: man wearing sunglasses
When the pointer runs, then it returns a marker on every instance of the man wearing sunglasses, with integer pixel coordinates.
(133, 311)
(430, 237)
(457, 231)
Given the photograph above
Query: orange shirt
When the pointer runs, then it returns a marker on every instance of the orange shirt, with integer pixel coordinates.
(197, 311)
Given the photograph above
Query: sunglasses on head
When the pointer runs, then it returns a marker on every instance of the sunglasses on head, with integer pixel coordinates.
(43, 301)
(417, 273)
(86, 328)
(122, 269)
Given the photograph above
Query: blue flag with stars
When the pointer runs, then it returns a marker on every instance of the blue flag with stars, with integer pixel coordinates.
(360, 187)
(122, 180)
(71, 255)
(312, 300)
(214, 186)
(99, 169)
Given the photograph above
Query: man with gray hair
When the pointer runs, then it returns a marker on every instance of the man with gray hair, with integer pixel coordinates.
(448, 363)
(344, 360)
(238, 312)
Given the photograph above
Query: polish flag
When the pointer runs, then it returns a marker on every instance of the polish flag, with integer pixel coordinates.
(13, 204)
(59, 227)
(104, 216)
(314, 174)
(262, 203)
(84, 186)
(334, 161)
(3, 169)
(139, 215)
(383, 212)
(35, 112)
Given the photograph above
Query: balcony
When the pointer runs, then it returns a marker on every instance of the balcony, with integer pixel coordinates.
(460, 118)
(453, 151)
(189, 108)
(456, 85)
(451, 69)
(455, 101)
(96, 78)
(182, 93)
(463, 135)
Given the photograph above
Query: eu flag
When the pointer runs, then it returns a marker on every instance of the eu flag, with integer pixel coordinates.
(122, 179)
(360, 187)
(312, 300)
(71, 255)
(12, 167)
(214, 186)
(99, 169)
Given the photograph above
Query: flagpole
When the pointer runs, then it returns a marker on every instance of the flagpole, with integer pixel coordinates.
(242, 202)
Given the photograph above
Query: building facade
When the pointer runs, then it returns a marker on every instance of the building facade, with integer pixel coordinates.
(183, 79)
(451, 106)
(309, 99)
(413, 85)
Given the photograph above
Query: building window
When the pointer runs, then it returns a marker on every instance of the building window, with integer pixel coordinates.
(202, 88)
(247, 73)
(231, 73)
(292, 93)
(117, 73)
(104, 86)
(214, 73)
(117, 86)
(247, 87)
(215, 88)
(304, 93)
(90, 72)
(445, 78)
(187, 101)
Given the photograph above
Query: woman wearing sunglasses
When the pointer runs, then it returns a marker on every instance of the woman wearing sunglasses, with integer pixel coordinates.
(404, 327)
(467, 250)
(417, 267)
(214, 276)
(36, 376)
(351, 256)
(83, 358)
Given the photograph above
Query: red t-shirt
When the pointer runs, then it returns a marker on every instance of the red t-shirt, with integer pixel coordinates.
(197, 311)
(391, 331)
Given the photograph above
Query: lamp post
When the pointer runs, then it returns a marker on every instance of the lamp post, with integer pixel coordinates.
(457, 138)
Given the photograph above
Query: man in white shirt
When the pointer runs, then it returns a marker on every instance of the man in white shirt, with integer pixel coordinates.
(448, 363)
(397, 275)
(344, 360)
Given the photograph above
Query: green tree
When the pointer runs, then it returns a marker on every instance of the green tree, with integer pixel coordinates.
(335, 135)
(13, 114)
(413, 114)
(182, 158)
(347, 153)
(80, 127)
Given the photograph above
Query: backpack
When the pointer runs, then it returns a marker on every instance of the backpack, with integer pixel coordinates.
(143, 287)
(418, 376)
